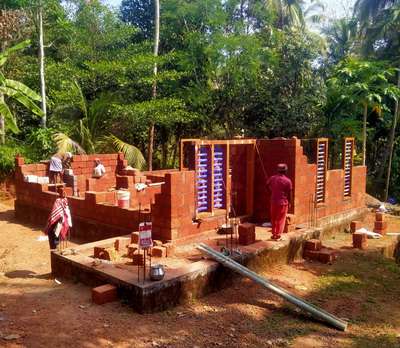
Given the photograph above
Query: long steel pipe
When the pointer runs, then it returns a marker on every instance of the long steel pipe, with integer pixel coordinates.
(244, 271)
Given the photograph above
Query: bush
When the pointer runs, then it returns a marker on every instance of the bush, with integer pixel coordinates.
(42, 143)
(7, 156)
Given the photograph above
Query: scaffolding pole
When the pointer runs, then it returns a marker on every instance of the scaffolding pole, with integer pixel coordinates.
(244, 271)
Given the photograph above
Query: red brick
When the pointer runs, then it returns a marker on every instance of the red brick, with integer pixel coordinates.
(311, 255)
(247, 234)
(327, 255)
(313, 245)
(382, 232)
(246, 240)
(101, 253)
(159, 251)
(69, 191)
(132, 248)
(19, 161)
(355, 225)
(135, 237)
(379, 216)
(247, 229)
(170, 249)
(137, 259)
(290, 219)
(360, 240)
(104, 294)
(289, 228)
(380, 225)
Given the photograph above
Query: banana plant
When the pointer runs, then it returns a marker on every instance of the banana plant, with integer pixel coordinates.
(17, 91)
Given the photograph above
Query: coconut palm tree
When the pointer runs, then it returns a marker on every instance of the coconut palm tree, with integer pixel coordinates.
(340, 35)
(17, 91)
(295, 13)
(90, 134)
(289, 13)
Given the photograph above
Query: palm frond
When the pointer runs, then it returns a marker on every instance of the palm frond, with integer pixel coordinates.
(133, 155)
(66, 144)
(82, 99)
(86, 136)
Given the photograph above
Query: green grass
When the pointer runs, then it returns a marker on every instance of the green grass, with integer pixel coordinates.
(378, 341)
(364, 288)
(333, 285)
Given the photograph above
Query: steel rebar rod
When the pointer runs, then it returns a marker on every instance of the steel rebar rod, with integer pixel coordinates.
(244, 271)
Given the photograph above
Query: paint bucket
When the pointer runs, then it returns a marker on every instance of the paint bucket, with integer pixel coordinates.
(123, 198)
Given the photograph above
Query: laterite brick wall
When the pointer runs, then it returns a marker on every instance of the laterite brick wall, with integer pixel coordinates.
(303, 176)
(269, 154)
(174, 209)
(95, 213)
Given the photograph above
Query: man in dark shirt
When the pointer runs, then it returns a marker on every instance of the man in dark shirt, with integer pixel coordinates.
(280, 187)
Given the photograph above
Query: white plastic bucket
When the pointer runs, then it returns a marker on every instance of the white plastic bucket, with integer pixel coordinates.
(123, 198)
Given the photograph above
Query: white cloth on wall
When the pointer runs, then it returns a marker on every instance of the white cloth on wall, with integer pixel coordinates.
(56, 164)
(99, 171)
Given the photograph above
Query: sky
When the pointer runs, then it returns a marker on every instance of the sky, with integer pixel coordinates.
(335, 8)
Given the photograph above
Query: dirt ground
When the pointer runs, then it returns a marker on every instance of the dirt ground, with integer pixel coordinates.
(36, 311)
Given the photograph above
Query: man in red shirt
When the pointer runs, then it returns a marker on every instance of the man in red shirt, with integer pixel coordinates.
(280, 187)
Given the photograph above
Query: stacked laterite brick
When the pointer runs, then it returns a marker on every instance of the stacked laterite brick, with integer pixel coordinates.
(82, 166)
(313, 250)
(95, 215)
(290, 225)
(173, 210)
(380, 225)
(247, 233)
(360, 240)
(159, 249)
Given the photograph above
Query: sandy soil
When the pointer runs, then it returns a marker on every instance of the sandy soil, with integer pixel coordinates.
(36, 311)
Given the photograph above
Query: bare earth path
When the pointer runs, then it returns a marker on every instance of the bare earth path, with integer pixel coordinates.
(35, 311)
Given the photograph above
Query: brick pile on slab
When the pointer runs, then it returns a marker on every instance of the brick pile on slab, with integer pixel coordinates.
(247, 233)
(101, 253)
(313, 250)
(159, 249)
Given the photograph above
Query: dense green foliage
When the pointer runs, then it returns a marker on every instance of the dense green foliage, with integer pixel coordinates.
(224, 68)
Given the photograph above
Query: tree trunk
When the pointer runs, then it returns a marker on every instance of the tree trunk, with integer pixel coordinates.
(154, 94)
(391, 142)
(164, 154)
(365, 134)
(41, 67)
(2, 124)
(2, 120)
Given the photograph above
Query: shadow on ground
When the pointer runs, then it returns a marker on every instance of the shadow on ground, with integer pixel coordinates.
(27, 274)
